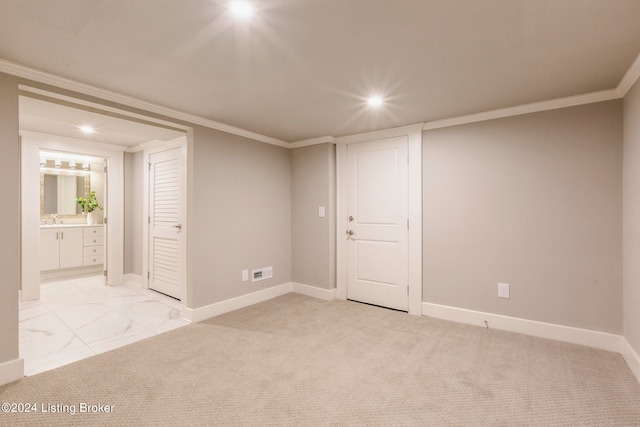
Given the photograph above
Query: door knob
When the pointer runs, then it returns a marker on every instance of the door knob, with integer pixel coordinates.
(350, 232)
(177, 227)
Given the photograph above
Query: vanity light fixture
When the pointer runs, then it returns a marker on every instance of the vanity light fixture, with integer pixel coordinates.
(85, 166)
(241, 9)
(58, 163)
(43, 162)
(72, 164)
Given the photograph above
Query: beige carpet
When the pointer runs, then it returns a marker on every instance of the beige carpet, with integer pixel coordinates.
(295, 360)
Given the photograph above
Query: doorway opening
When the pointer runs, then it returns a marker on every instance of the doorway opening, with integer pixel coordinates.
(85, 273)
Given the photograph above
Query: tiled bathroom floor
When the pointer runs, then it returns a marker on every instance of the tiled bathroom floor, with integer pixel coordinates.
(80, 317)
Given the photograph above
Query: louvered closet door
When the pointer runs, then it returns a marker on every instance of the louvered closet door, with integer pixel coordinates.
(165, 222)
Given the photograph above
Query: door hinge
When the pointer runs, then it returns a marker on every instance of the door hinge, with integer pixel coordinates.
(105, 169)
(148, 220)
(148, 275)
(106, 220)
(149, 165)
(407, 223)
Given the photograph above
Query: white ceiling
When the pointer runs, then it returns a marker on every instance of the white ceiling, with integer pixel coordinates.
(302, 68)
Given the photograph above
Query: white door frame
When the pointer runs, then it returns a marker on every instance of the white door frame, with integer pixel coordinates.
(31, 145)
(176, 143)
(414, 136)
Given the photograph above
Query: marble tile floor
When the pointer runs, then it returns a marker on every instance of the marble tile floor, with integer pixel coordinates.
(79, 317)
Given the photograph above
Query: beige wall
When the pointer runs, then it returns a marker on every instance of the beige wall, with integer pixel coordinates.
(9, 218)
(631, 227)
(241, 215)
(534, 201)
(313, 238)
(133, 205)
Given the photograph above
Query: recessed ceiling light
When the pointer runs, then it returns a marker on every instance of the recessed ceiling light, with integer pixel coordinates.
(241, 8)
(87, 129)
(375, 101)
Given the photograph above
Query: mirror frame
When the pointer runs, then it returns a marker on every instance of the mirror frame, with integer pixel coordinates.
(87, 189)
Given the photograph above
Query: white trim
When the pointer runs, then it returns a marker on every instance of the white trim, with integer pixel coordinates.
(208, 311)
(601, 340)
(313, 141)
(627, 81)
(341, 221)
(415, 221)
(631, 357)
(11, 371)
(380, 134)
(414, 136)
(570, 101)
(107, 95)
(313, 291)
(134, 278)
(212, 310)
(630, 77)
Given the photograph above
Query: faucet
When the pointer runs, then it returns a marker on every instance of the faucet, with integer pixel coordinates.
(55, 217)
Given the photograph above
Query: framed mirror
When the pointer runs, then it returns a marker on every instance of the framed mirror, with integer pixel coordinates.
(59, 191)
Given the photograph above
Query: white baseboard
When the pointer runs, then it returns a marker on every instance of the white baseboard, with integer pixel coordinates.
(11, 371)
(314, 292)
(631, 357)
(208, 311)
(134, 278)
(601, 340)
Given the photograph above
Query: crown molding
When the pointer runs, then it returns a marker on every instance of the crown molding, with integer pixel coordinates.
(554, 104)
(68, 84)
(630, 78)
(313, 141)
(380, 134)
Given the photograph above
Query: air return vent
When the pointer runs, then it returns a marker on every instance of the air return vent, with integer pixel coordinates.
(261, 274)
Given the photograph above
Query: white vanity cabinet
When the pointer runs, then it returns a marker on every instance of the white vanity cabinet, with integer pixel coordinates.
(70, 247)
(93, 244)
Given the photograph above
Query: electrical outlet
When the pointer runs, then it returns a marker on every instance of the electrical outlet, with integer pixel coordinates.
(503, 290)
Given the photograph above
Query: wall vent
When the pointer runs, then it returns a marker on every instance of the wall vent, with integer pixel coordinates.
(261, 274)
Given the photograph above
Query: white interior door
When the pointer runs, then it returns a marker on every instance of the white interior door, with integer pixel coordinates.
(166, 219)
(377, 205)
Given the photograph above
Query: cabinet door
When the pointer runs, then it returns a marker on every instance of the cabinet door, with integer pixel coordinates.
(49, 249)
(71, 247)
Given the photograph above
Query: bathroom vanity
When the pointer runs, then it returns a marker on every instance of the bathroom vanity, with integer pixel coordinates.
(67, 246)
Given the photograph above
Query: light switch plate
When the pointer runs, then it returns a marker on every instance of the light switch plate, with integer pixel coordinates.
(321, 212)
(245, 275)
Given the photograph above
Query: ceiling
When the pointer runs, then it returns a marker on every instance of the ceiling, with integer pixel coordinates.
(303, 68)
(57, 118)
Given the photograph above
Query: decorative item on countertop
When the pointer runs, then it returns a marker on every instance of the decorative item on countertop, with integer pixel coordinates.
(88, 205)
